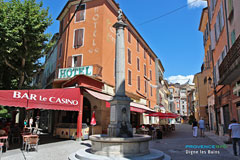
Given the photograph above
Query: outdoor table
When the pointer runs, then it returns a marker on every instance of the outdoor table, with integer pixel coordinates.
(4, 139)
(144, 131)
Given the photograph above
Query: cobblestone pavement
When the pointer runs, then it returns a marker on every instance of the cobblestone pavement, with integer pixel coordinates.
(174, 144)
(51, 151)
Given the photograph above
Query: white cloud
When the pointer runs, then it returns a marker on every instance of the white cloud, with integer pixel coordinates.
(196, 3)
(181, 79)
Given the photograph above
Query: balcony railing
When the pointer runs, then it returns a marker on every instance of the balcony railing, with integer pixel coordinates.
(229, 64)
(97, 70)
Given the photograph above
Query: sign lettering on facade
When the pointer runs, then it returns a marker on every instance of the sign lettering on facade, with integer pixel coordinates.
(71, 72)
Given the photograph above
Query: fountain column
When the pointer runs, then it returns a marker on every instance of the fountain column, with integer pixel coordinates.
(120, 105)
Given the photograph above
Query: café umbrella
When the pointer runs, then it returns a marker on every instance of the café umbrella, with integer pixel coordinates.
(93, 120)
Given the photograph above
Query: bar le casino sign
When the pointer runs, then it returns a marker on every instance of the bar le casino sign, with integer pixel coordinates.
(35, 97)
(71, 72)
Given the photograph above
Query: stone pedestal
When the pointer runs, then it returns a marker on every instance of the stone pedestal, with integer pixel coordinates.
(120, 117)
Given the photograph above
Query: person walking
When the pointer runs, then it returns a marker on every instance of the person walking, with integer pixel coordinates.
(201, 127)
(234, 134)
(195, 128)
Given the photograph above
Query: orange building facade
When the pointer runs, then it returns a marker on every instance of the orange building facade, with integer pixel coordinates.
(89, 40)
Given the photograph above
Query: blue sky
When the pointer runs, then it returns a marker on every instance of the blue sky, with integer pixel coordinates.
(175, 38)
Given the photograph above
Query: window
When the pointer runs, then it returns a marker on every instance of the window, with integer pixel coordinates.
(138, 64)
(215, 29)
(230, 6)
(78, 38)
(60, 50)
(129, 56)
(76, 60)
(149, 104)
(61, 26)
(150, 73)
(144, 54)
(233, 37)
(145, 70)
(221, 16)
(139, 82)
(138, 45)
(80, 14)
(224, 52)
(205, 80)
(150, 60)
(151, 91)
(145, 86)
(129, 77)
(129, 36)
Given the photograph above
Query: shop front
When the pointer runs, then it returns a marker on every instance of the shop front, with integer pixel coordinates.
(38, 102)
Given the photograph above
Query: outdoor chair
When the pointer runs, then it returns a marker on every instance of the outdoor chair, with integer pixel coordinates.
(25, 139)
(32, 141)
(1, 147)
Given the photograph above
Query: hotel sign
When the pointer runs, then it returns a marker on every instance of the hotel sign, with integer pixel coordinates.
(71, 72)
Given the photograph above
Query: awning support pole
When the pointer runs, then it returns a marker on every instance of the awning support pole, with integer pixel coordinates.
(79, 120)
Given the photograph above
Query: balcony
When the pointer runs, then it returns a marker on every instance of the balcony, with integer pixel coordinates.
(97, 70)
(230, 67)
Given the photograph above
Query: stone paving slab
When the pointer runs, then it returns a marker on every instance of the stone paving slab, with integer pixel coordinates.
(174, 144)
(51, 151)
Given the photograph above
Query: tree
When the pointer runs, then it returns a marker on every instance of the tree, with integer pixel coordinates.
(22, 41)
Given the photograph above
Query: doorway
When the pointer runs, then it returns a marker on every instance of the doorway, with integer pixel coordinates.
(86, 116)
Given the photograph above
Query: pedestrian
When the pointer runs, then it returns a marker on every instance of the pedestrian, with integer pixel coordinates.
(234, 134)
(31, 122)
(37, 122)
(195, 128)
(201, 127)
(25, 123)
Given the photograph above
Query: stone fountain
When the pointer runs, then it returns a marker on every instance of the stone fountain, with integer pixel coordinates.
(119, 143)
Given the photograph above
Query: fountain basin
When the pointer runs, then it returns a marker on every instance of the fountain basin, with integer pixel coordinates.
(120, 147)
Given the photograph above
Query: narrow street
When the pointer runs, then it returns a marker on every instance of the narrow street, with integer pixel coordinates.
(174, 145)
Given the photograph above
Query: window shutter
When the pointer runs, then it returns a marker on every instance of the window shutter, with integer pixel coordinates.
(82, 12)
(212, 6)
(61, 26)
(145, 70)
(129, 36)
(69, 62)
(129, 77)
(212, 37)
(209, 14)
(217, 27)
(80, 38)
(150, 72)
(129, 56)
(138, 64)
(79, 61)
(222, 16)
(139, 83)
(80, 15)
(76, 33)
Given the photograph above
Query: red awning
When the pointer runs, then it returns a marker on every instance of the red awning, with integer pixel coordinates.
(135, 107)
(99, 95)
(53, 99)
(163, 115)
